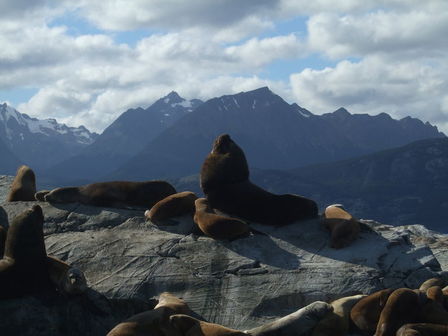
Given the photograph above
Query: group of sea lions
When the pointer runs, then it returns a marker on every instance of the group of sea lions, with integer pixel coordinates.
(388, 312)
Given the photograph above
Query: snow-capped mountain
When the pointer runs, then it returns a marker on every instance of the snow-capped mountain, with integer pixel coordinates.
(40, 143)
(124, 138)
(273, 134)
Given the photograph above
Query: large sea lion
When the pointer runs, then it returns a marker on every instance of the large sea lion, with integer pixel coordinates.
(366, 312)
(190, 326)
(23, 186)
(172, 206)
(225, 182)
(153, 322)
(423, 329)
(23, 269)
(217, 226)
(118, 194)
(433, 311)
(337, 322)
(343, 226)
(402, 306)
(297, 323)
(67, 279)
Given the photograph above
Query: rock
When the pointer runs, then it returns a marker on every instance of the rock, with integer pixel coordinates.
(241, 284)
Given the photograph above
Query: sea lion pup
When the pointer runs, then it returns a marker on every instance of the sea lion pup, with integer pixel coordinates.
(366, 312)
(217, 226)
(337, 322)
(68, 280)
(430, 283)
(343, 226)
(172, 206)
(402, 306)
(225, 182)
(23, 269)
(190, 326)
(40, 195)
(118, 194)
(153, 322)
(423, 329)
(23, 186)
(297, 323)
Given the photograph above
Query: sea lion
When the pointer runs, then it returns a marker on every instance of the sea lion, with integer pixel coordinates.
(423, 329)
(172, 206)
(40, 195)
(402, 306)
(343, 226)
(433, 311)
(190, 326)
(23, 268)
(366, 312)
(23, 186)
(119, 194)
(337, 322)
(430, 283)
(67, 279)
(297, 323)
(225, 182)
(217, 226)
(153, 322)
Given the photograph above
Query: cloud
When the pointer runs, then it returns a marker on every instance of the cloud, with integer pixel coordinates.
(375, 85)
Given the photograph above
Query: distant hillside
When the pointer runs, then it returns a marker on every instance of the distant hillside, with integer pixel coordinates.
(40, 143)
(125, 137)
(8, 161)
(273, 133)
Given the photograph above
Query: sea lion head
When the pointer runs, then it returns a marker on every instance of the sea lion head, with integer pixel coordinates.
(75, 282)
(63, 195)
(222, 144)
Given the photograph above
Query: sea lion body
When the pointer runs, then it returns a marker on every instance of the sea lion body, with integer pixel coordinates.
(67, 279)
(217, 226)
(23, 186)
(297, 323)
(430, 283)
(23, 269)
(153, 322)
(433, 310)
(402, 307)
(343, 226)
(366, 312)
(172, 206)
(225, 182)
(423, 329)
(337, 322)
(190, 326)
(114, 194)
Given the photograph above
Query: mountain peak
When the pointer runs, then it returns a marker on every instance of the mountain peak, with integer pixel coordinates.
(342, 112)
(172, 97)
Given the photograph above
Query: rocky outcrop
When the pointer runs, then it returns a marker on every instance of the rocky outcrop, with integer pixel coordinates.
(240, 284)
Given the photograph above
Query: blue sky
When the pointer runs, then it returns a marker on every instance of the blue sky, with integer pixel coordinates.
(87, 62)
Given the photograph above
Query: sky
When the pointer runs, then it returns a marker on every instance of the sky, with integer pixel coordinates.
(85, 62)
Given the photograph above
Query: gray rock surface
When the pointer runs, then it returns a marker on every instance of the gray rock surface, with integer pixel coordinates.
(240, 284)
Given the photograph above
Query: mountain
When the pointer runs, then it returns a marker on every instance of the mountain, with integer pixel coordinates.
(8, 161)
(273, 134)
(40, 143)
(125, 137)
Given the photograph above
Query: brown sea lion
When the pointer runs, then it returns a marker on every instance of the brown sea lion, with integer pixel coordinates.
(23, 186)
(23, 268)
(225, 182)
(40, 195)
(430, 283)
(423, 329)
(118, 194)
(189, 326)
(402, 306)
(298, 323)
(172, 206)
(153, 322)
(343, 226)
(67, 279)
(217, 226)
(337, 322)
(366, 312)
(433, 311)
